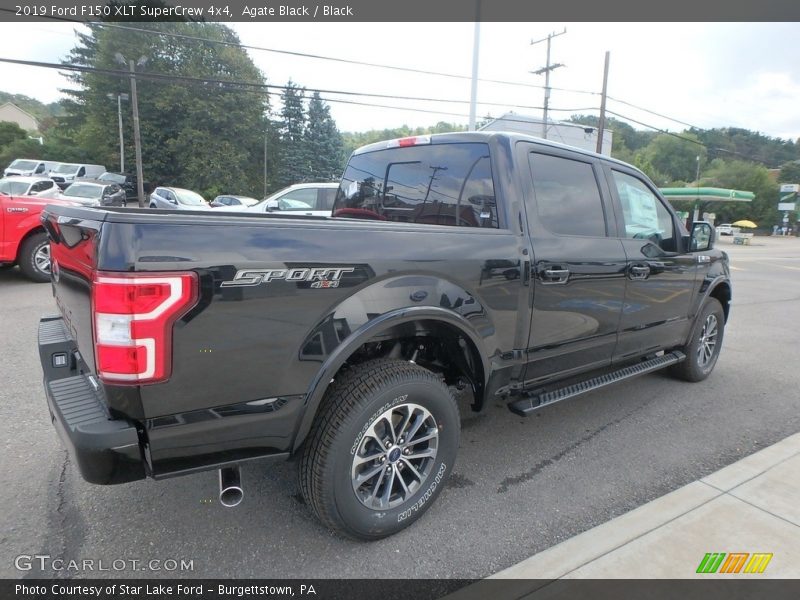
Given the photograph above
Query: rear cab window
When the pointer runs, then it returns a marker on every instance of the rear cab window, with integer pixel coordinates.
(436, 184)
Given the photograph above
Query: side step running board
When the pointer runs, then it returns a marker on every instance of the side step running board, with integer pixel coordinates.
(526, 406)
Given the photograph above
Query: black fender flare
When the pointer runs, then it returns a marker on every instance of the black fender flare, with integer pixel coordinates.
(319, 385)
(707, 290)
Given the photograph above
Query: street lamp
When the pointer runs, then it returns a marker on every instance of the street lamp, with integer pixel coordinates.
(137, 142)
(120, 98)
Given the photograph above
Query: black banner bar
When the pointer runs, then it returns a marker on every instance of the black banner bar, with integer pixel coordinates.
(710, 588)
(400, 10)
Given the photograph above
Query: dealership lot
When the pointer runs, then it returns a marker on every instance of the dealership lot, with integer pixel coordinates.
(520, 485)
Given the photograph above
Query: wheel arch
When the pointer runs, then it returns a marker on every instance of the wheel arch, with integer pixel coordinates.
(722, 292)
(28, 234)
(391, 324)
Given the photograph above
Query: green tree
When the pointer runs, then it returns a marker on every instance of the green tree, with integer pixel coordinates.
(323, 142)
(10, 132)
(747, 176)
(790, 172)
(294, 161)
(207, 136)
(675, 157)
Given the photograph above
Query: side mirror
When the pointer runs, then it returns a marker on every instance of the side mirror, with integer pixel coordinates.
(272, 205)
(702, 238)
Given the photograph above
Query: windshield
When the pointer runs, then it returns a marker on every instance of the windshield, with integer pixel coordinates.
(84, 190)
(13, 188)
(24, 165)
(112, 177)
(189, 197)
(65, 168)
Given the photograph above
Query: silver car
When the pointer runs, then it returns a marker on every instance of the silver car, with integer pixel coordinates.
(44, 187)
(173, 198)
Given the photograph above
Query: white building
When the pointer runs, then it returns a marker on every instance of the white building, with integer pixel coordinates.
(571, 134)
(12, 113)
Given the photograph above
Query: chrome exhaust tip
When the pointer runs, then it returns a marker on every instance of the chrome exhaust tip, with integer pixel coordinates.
(230, 487)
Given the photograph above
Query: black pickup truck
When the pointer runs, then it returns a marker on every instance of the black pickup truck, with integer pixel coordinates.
(481, 266)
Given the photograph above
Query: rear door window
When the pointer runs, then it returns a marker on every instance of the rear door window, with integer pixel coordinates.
(435, 184)
(567, 196)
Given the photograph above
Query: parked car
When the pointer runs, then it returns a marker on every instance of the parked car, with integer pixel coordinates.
(23, 240)
(233, 201)
(65, 173)
(29, 166)
(344, 339)
(174, 198)
(726, 229)
(92, 192)
(44, 187)
(127, 181)
(301, 199)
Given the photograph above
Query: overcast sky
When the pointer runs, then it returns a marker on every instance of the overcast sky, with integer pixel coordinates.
(708, 75)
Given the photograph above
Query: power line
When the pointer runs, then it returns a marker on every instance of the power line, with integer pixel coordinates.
(331, 58)
(262, 87)
(245, 86)
(652, 112)
(265, 86)
(367, 64)
(300, 54)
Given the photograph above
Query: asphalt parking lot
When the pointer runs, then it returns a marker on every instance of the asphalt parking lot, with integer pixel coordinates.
(519, 486)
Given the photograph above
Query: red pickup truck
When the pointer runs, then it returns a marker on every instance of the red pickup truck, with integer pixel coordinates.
(22, 237)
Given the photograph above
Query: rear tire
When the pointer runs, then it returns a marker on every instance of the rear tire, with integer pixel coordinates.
(34, 258)
(705, 342)
(381, 449)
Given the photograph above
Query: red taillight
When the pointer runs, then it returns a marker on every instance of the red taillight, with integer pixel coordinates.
(133, 317)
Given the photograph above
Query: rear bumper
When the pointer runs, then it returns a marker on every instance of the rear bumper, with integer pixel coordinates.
(106, 450)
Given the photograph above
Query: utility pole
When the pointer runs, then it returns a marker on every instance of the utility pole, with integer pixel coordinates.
(546, 70)
(266, 137)
(602, 126)
(137, 140)
(476, 42)
(120, 98)
(121, 138)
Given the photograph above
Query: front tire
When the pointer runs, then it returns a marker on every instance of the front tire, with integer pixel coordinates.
(705, 343)
(381, 450)
(34, 258)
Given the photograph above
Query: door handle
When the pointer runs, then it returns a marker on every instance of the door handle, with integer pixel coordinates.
(554, 275)
(639, 271)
